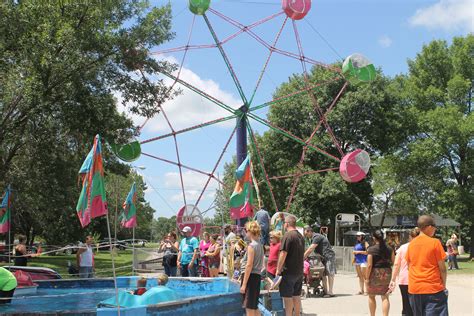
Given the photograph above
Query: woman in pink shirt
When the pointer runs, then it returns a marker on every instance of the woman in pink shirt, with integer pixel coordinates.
(400, 270)
(203, 247)
(275, 238)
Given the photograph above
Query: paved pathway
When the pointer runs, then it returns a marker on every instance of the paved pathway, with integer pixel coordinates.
(461, 298)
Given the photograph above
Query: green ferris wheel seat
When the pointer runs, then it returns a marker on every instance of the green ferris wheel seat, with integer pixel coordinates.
(199, 7)
(128, 152)
(358, 67)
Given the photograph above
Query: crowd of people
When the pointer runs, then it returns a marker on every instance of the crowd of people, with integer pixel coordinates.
(418, 266)
(263, 258)
(258, 257)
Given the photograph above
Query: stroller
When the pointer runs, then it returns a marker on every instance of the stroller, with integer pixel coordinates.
(313, 277)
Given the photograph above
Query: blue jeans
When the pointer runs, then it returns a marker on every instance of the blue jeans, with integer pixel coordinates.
(265, 238)
(188, 272)
(429, 304)
(170, 271)
(454, 261)
(86, 272)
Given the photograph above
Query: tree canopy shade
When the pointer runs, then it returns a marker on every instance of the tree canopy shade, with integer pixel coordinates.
(435, 163)
(62, 66)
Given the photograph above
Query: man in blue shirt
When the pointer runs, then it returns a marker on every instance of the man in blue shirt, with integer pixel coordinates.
(263, 219)
(187, 255)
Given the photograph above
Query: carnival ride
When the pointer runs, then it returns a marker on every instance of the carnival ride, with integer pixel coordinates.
(352, 166)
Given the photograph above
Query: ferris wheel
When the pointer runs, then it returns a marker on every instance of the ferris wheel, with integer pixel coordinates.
(352, 166)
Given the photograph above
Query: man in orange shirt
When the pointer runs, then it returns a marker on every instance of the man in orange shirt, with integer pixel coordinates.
(427, 272)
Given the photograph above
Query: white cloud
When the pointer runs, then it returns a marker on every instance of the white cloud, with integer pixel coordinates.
(193, 184)
(189, 108)
(385, 41)
(447, 15)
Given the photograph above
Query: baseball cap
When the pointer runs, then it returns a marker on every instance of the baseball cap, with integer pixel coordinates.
(187, 229)
(360, 234)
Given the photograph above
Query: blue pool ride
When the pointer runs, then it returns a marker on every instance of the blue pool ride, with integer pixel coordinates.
(154, 295)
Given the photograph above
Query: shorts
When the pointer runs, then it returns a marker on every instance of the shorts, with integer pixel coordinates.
(291, 285)
(86, 272)
(6, 296)
(252, 291)
(270, 275)
(362, 265)
(330, 267)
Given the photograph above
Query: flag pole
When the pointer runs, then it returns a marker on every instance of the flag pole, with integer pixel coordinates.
(113, 264)
(133, 250)
(9, 208)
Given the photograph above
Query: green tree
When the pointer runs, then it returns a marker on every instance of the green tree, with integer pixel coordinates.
(162, 226)
(367, 116)
(438, 155)
(62, 64)
(118, 187)
(223, 193)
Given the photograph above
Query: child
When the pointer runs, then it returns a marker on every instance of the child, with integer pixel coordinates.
(141, 287)
(251, 269)
(236, 275)
(162, 279)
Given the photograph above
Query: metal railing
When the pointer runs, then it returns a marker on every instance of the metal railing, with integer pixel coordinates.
(344, 259)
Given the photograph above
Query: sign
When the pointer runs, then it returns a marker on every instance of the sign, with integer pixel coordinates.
(347, 218)
(190, 215)
(406, 220)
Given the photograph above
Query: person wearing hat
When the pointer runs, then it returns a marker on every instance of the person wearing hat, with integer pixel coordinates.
(187, 255)
(360, 259)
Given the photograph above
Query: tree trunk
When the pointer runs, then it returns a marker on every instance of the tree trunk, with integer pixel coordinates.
(385, 208)
(471, 243)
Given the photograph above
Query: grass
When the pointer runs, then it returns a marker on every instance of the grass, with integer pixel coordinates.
(465, 265)
(103, 263)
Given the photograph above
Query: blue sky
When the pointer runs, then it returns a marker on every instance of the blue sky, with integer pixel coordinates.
(388, 32)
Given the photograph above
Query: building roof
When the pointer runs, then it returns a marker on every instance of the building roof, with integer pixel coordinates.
(410, 221)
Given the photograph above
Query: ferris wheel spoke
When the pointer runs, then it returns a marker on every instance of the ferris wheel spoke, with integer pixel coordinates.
(293, 94)
(226, 60)
(185, 167)
(262, 164)
(251, 33)
(297, 176)
(188, 129)
(213, 45)
(329, 110)
(291, 136)
(313, 98)
(216, 166)
(300, 174)
(200, 92)
(268, 60)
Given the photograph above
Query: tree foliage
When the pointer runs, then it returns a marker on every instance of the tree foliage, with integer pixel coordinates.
(367, 116)
(418, 128)
(436, 160)
(62, 67)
